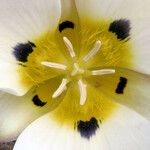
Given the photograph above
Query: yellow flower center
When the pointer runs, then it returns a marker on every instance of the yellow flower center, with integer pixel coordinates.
(76, 72)
(97, 54)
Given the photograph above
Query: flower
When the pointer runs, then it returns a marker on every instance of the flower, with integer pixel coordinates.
(85, 64)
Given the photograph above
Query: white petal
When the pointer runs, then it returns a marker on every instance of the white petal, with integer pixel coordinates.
(126, 130)
(68, 9)
(136, 11)
(69, 14)
(109, 9)
(141, 44)
(18, 112)
(22, 21)
(10, 79)
(26, 20)
(126, 87)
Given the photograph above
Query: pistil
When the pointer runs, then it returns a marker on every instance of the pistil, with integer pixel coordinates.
(76, 69)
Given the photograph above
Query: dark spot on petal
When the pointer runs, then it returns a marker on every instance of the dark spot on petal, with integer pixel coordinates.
(65, 25)
(88, 128)
(22, 51)
(37, 101)
(121, 28)
(121, 85)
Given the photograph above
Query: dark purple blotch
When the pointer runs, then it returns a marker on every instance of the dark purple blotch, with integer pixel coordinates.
(121, 85)
(88, 128)
(36, 100)
(65, 25)
(121, 28)
(22, 50)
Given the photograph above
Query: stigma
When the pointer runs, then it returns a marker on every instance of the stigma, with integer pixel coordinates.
(76, 72)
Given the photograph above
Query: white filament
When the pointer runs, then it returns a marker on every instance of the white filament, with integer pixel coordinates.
(61, 88)
(83, 92)
(93, 51)
(103, 71)
(54, 65)
(69, 46)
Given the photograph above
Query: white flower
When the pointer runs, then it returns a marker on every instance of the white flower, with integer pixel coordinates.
(85, 64)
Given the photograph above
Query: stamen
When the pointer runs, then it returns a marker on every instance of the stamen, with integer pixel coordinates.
(83, 92)
(61, 88)
(93, 51)
(103, 71)
(69, 46)
(54, 65)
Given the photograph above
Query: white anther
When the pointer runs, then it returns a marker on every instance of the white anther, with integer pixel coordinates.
(61, 88)
(69, 46)
(93, 51)
(83, 92)
(103, 71)
(76, 69)
(54, 65)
